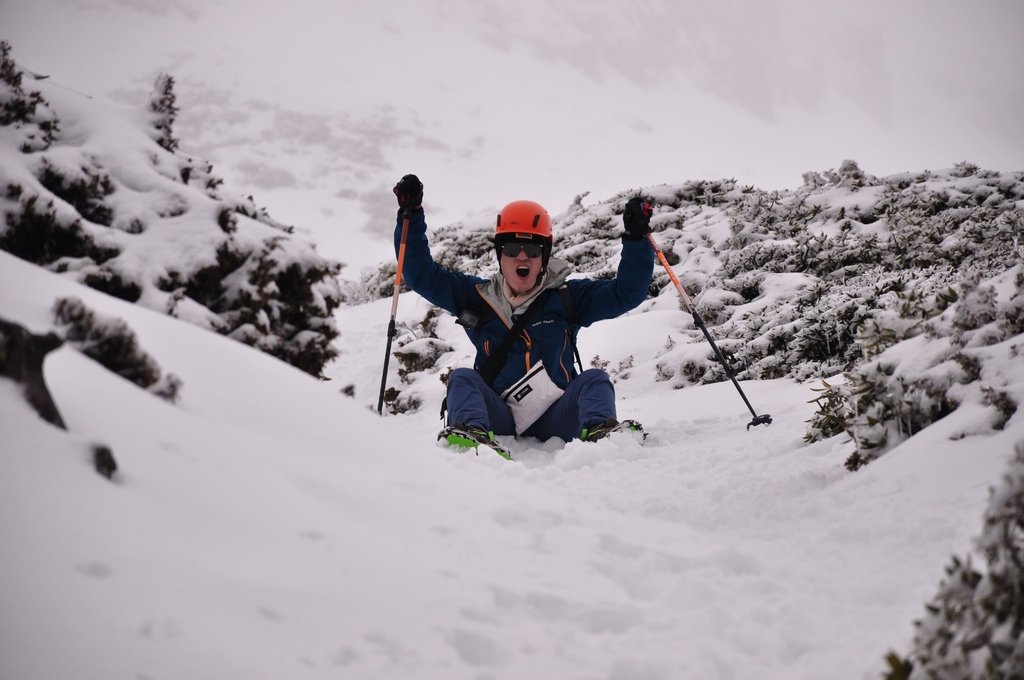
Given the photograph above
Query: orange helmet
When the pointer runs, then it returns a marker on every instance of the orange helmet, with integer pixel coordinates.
(525, 218)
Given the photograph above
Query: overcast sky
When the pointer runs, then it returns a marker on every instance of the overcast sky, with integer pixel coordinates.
(318, 107)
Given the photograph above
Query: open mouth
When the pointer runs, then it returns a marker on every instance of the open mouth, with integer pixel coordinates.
(522, 271)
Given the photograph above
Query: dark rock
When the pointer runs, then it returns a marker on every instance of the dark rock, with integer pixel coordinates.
(21, 359)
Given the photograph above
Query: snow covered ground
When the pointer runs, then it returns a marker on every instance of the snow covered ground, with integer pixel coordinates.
(268, 526)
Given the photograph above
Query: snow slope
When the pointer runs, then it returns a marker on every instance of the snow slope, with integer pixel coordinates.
(267, 526)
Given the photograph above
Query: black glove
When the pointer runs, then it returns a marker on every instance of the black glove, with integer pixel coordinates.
(409, 192)
(636, 218)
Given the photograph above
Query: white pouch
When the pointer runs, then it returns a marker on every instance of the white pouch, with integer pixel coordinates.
(529, 398)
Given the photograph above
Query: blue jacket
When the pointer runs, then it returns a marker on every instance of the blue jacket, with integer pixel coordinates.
(547, 334)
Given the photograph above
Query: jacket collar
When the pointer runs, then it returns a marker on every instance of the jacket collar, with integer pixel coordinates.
(493, 290)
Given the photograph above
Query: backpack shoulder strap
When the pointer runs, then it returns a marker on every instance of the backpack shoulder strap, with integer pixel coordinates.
(489, 371)
(476, 312)
(570, 316)
(567, 302)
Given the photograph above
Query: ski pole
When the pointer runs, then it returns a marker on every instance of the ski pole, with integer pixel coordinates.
(392, 329)
(763, 419)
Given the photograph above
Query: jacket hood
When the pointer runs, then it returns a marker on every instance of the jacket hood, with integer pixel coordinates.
(491, 291)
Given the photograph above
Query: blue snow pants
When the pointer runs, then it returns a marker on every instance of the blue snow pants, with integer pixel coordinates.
(589, 399)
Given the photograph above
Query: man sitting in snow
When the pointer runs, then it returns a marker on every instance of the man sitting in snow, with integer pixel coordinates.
(523, 323)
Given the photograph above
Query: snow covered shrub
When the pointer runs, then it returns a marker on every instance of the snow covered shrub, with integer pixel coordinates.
(85, 188)
(163, 104)
(201, 176)
(928, 363)
(622, 371)
(456, 246)
(111, 343)
(395, 403)
(858, 268)
(974, 626)
(803, 284)
(420, 355)
(889, 408)
(248, 208)
(964, 169)
(825, 335)
(281, 302)
(135, 219)
(27, 113)
(428, 325)
(833, 414)
(277, 299)
(205, 283)
(465, 250)
(850, 172)
(704, 192)
(420, 351)
(111, 282)
(974, 321)
(1012, 317)
(849, 175)
(38, 235)
(904, 311)
(43, 238)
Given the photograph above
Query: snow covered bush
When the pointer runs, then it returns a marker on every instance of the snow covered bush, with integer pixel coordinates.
(974, 626)
(804, 284)
(27, 114)
(111, 343)
(35, 232)
(129, 215)
(85, 188)
(833, 414)
(418, 351)
(281, 301)
(164, 104)
(930, 356)
(420, 355)
(395, 402)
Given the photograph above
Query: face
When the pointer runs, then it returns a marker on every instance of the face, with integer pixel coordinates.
(520, 271)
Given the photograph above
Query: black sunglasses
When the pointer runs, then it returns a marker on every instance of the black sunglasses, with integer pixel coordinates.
(513, 249)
